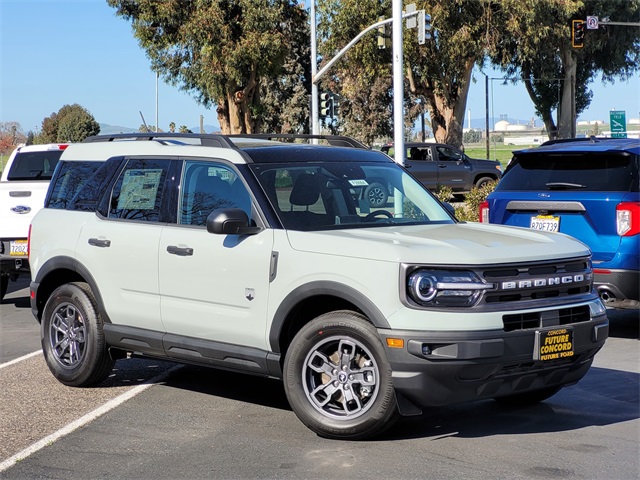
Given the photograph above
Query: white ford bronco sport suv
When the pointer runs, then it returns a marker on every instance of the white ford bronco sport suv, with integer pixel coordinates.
(23, 187)
(264, 257)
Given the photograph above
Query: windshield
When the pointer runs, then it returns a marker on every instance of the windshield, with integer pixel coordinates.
(347, 195)
(34, 165)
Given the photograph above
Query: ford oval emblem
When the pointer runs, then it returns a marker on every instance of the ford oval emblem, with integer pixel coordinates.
(21, 209)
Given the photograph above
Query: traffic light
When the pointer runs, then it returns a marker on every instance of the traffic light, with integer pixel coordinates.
(326, 105)
(424, 28)
(577, 33)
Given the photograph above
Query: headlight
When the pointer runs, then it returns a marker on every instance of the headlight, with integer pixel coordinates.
(445, 288)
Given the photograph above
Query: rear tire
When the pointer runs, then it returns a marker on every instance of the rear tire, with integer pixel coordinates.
(338, 380)
(483, 181)
(72, 338)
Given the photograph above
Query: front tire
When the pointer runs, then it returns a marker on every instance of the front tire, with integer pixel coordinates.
(72, 338)
(337, 378)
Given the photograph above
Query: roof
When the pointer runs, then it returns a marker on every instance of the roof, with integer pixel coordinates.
(585, 145)
(240, 149)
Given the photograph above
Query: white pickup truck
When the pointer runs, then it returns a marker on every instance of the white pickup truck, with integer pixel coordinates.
(23, 187)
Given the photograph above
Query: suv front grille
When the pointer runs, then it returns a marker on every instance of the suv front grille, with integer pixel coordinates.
(562, 316)
(521, 283)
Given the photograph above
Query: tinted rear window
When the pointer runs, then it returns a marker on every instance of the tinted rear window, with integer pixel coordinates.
(71, 177)
(592, 173)
(34, 165)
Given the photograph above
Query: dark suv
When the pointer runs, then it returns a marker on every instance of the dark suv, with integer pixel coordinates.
(586, 188)
(437, 164)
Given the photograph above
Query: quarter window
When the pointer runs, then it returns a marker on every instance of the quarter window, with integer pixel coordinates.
(71, 177)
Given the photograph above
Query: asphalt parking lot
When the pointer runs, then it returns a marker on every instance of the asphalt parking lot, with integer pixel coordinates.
(157, 420)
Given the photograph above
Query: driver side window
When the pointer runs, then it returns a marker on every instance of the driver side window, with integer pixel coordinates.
(207, 186)
(449, 154)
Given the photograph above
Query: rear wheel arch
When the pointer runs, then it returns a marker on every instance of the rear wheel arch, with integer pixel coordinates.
(484, 178)
(59, 271)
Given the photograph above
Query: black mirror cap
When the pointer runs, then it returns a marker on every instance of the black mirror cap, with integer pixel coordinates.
(230, 221)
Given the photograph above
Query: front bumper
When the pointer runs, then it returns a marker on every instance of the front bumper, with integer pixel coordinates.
(441, 368)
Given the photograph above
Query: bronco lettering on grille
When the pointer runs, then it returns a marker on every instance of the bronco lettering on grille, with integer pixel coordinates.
(542, 282)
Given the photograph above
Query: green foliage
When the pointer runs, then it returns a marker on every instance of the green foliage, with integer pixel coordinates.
(469, 210)
(472, 136)
(363, 77)
(443, 193)
(535, 47)
(218, 50)
(438, 73)
(72, 123)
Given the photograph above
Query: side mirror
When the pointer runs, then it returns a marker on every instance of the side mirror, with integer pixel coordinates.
(230, 221)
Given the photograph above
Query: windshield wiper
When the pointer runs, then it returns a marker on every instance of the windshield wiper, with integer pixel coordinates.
(563, 185)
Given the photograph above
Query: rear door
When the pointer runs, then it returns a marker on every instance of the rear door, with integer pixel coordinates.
(453, 170)
(575, 195)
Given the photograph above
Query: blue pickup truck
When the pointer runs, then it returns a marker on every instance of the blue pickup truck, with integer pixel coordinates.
(585, 188)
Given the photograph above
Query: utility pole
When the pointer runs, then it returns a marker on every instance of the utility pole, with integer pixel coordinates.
(398, 84)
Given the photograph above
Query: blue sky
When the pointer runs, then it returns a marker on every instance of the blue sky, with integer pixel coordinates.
(77, 51)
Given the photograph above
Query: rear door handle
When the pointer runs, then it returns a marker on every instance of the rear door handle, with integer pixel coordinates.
(100, 242)
(181, 251)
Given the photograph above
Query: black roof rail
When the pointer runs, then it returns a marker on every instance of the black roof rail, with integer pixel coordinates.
(225, 141)
(206, 139)
(334, 140)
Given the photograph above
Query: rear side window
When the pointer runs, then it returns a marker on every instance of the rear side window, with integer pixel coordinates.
(71, 177)
(590, 172)
(34, 165)
(139, 190)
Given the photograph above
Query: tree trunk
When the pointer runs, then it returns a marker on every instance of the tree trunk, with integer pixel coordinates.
(567, 106)
(446, 127)
(235, 112)
(447, 110)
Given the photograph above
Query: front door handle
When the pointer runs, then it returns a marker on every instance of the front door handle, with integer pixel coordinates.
(181, 251)
(100, 242)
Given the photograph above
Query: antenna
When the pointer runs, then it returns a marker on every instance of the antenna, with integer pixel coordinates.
(143, 122)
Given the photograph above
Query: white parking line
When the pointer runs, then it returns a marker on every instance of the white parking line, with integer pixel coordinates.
(20, 359)
(89, 417)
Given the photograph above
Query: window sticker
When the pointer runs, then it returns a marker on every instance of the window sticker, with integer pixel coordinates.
(139, 189)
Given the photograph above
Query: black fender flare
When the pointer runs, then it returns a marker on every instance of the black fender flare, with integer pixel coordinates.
(333, 289)
(69, 263)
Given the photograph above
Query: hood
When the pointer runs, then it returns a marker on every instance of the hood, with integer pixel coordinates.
(450, 244)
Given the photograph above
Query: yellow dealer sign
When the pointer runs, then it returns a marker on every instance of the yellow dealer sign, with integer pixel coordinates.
(553, 344)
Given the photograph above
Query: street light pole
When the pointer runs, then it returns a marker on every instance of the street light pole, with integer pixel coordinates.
(398, 84)
(315, 123)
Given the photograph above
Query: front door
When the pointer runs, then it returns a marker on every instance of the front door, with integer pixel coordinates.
(214, 287)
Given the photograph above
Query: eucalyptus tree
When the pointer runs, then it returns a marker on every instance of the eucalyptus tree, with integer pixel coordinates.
(438, 73)
(535, 47)
(217, 50)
